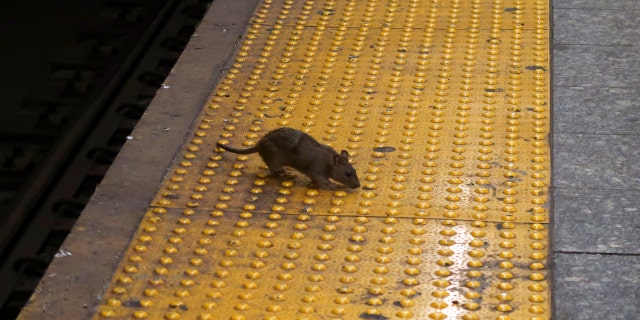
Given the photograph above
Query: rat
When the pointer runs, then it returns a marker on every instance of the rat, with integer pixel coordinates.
(298, 150)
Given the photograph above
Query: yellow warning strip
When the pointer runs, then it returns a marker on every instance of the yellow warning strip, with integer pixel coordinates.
(444, 109)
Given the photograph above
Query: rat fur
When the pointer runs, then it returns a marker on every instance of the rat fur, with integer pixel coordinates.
(298, 150)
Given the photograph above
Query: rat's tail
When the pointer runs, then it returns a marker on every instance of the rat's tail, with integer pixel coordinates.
(238, 151)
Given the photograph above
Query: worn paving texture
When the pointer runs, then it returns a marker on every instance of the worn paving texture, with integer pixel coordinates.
(596, 151)
(224, 240)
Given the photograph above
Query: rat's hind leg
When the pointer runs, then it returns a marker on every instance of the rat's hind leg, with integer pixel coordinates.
(275, 166)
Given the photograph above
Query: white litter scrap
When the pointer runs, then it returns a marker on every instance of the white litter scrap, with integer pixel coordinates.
(62, 253)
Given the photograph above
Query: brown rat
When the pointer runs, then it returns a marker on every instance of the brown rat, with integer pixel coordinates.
(298, 150)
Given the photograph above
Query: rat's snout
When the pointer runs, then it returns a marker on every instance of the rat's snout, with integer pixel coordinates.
(355, 184)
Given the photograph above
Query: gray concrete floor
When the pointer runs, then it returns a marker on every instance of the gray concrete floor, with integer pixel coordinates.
(596, 52)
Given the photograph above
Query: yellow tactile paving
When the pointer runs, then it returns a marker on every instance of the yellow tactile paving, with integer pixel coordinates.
(444, 108)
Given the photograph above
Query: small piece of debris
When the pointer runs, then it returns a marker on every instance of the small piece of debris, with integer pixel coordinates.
(384, 149)
(62, 253)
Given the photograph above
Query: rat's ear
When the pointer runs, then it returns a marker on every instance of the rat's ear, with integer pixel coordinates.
(336, 160)
(345, 154)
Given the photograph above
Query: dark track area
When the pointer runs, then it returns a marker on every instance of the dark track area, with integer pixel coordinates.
(76, 77)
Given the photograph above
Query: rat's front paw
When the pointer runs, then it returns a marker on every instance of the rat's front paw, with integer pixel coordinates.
(322, 185)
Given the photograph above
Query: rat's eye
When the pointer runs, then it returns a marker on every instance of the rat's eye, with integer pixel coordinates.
(350, 173)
